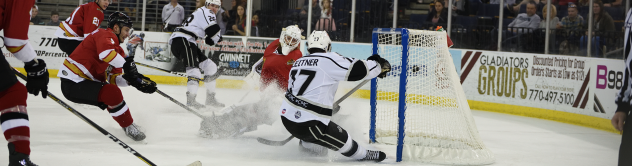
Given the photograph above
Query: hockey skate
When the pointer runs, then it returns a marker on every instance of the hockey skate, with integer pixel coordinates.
(133, 132)
(17, 158)
(376, 156)
(312, 149)
(191, 101)
(211, 101)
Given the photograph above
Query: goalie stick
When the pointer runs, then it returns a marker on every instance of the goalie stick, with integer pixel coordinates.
(85, 119)
(336, 109)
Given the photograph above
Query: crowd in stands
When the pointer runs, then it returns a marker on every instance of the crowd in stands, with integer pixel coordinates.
(475, 23)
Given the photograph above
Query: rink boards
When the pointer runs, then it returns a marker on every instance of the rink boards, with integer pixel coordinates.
(570, 89)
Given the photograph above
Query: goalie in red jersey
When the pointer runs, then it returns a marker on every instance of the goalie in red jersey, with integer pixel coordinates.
(93, 73)
(274, 69)
(279, 57)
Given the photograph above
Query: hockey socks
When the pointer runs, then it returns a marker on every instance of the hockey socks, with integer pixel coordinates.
(111, 96)
(353, 150)
(14, 118)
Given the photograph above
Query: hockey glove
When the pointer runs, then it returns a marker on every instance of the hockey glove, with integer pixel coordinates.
(136, 79)
(386, 66)
(213, 40)
(36, 77)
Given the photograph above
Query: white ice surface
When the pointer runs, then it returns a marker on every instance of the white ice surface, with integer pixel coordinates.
(60, 138)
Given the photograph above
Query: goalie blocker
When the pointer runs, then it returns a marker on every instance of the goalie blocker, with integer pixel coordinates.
(307, 108)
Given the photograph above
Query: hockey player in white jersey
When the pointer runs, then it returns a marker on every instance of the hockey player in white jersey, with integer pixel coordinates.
(307, 108)
(201, 24)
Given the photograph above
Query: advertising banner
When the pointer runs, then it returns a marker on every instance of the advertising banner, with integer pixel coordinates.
(609, 75)
(235, 57)
(532, 80)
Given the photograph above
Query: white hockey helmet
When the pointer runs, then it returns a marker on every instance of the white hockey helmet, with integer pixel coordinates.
(214, 2)
(319, 39)
(290, 39)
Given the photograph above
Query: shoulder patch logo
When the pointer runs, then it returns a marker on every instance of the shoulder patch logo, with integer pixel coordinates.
(297, 114)
(283, 111)
(111, 40)
(290, 62)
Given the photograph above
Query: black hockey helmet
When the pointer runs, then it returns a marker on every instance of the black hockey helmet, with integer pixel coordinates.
(119, 18)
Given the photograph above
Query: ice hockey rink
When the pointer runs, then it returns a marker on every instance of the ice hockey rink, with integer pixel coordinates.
(60, 138)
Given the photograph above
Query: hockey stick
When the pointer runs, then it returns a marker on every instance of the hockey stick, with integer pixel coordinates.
(336, 104)
(336, 109)
(180, 104)
(85, 119)
(168, 71)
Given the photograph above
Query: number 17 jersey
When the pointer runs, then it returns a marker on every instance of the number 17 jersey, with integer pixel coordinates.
(314, 81)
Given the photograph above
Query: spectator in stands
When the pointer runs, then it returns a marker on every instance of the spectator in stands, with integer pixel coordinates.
(612, 3)
(582, 3)
(523, 23)
(460, 7)
(528, 20)
(254, 31)
(439, 16)
(326, 21)
(315, 14)
(172, 15)
(571, 25)
(602, 23)
(54, 19)
(34, 19)
(565, 2)
(240, 21)
(553, 16)
(232, 13)
(130, 7)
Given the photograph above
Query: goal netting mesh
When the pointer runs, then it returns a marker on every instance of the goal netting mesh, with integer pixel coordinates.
(438, 125)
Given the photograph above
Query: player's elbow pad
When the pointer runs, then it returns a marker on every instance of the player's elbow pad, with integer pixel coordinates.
(212, 30)
(358, 71)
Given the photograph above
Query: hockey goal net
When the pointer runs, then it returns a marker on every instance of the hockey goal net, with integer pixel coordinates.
(434, 123)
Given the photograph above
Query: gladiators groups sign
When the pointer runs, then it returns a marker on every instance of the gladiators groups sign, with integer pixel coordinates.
(564, 83)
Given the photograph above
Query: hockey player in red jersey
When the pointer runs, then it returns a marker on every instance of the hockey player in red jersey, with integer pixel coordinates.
(93, 73)
(84, 20)
(13, 113)
(274, 68)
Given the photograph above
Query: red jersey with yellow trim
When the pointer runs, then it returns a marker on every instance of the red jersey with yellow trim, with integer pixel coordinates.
(85, 19)
(276, 66)
(98, 58)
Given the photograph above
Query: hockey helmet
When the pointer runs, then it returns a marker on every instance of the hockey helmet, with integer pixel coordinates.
(214, 2)
(290, 38)
(319, 39)
(121, 19)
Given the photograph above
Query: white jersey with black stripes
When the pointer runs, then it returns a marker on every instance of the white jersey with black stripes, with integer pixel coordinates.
(198, 23)
(314, 81)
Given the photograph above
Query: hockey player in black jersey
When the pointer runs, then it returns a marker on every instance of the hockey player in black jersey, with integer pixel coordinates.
(201, 24)
(307, 109)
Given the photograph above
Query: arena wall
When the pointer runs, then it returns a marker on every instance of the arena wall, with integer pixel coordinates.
(568, 89)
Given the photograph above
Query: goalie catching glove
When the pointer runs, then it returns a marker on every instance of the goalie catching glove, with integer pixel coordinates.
(136, 79)
(386, 66)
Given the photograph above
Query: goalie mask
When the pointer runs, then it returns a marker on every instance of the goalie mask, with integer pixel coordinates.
(290, 38)
(319, 39)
